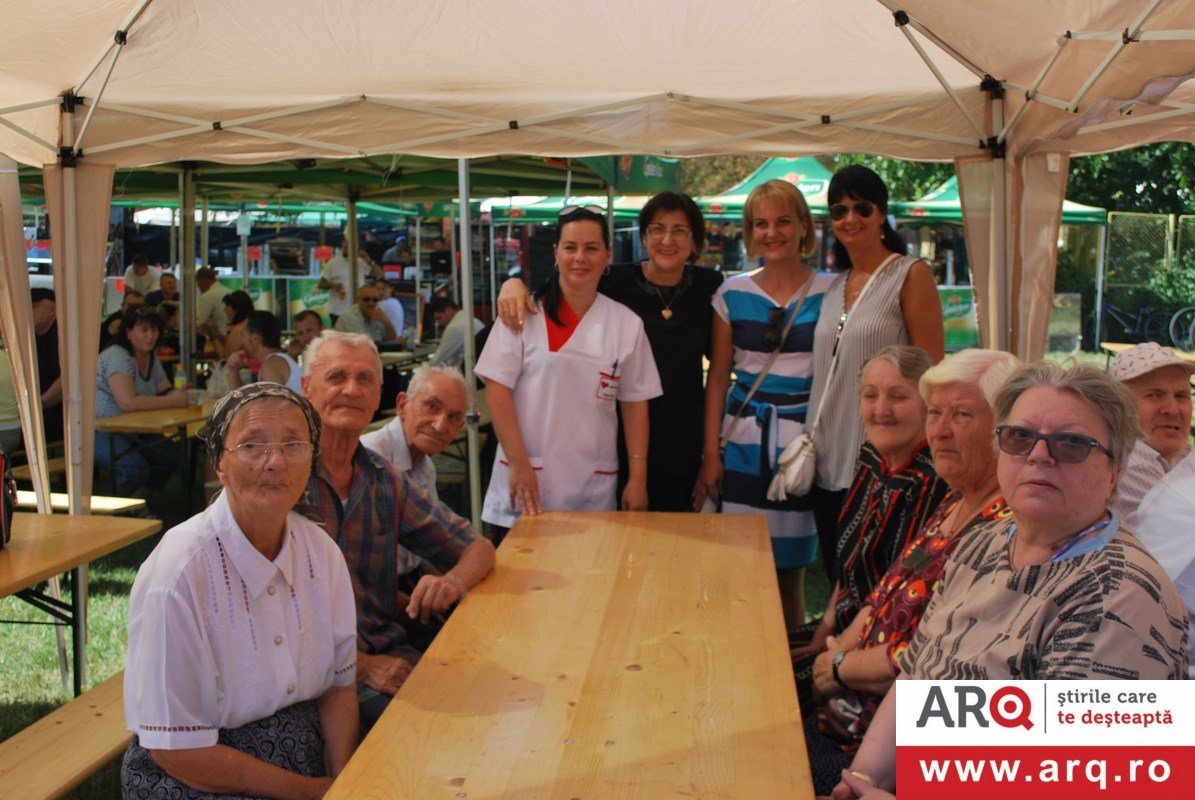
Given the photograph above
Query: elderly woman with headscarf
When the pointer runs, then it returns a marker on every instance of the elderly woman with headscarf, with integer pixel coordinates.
(241, 671)
(1058, 590)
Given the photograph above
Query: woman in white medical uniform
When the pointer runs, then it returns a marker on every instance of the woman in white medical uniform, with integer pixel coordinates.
(552, 390)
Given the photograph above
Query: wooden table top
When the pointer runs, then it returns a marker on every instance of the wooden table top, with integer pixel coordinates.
(59, 501)
(44, 545)
(159, 420)
(609, 655)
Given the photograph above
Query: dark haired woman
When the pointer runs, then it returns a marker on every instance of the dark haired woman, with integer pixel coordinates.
(882, 297)
(130, 378)
(552, 390)
(672, 297)
(238, 306)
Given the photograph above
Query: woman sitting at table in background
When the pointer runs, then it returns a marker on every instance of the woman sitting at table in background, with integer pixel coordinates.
(855, 667)
(882, 297)
(895, 491)
(237, 307)
(1058, 590)
(752, 311)
(552, 390)
(241, 671)
(672, 297)
(130, 378)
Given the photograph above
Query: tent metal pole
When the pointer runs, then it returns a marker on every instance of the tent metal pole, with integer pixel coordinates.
(74, 371)
(95, 103)
(1031, 92)
(610, 212)
(1125, 123)
(187, 232)
(470, 348)
(998, 277)
(454, 248)
(929, 62)
(1130, 34)
(174, 226)
(204, 232)
(29, 106)
(31, 137)
(128, 23)
(1099, 286)
(493, 269)
(354, 243)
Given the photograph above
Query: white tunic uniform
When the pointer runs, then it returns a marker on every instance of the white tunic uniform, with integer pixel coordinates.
(566, 405)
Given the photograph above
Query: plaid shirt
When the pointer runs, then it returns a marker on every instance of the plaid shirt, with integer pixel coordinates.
(384, 510)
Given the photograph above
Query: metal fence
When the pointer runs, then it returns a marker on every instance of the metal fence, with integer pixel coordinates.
(1147, 291)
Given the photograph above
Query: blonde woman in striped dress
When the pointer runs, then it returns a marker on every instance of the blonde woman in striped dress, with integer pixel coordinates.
(900, 306)
(750, 311)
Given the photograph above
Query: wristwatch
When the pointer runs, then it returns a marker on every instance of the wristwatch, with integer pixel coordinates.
(835, 663)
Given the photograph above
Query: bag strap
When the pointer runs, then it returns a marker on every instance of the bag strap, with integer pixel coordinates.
(817, 415)
(802, 293)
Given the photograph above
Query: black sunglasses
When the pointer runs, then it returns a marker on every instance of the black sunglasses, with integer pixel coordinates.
(862, 209)
(776, 317)
(1065, 448)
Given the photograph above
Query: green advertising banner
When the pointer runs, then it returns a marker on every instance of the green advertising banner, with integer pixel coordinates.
(958, 317)
(304, 294)
(263, 291)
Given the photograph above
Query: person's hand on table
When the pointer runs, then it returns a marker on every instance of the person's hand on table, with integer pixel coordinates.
(382, 673)
(434, 594)
(181, 398)
(634, 496)
(857, 786)
(524, 489)
(513, 300)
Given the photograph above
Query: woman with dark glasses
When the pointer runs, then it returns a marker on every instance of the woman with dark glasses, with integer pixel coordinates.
(758, 313)
(1060, 590)
(552, 390)
(882, 297)
(672, 297)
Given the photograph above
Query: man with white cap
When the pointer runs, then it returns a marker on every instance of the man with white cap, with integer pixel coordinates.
(1160, 381)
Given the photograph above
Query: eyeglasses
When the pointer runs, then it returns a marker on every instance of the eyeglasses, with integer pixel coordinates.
(776, 317)
(254, 454)
(680, 233)
(1065, 448)
(367, 299)
(862, 209)
(568, 211)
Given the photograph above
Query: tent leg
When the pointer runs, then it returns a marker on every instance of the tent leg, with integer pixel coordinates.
(354, 242)
(470, 350)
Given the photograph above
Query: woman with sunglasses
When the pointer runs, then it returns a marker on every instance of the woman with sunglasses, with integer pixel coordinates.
(882, 297)
(756, 313)
(552, 390)
(1060, 590)
(672, 297)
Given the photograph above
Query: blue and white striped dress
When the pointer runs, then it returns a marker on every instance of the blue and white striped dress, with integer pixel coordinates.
(776, 414)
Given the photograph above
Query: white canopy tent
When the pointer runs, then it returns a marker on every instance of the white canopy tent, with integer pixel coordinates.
(1008, 89)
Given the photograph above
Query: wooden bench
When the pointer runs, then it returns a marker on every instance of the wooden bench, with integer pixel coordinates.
(55, 466)
(60, 751)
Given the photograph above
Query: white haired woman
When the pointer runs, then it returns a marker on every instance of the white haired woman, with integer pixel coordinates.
(240, 678)
(1059, 590)
(848, 680)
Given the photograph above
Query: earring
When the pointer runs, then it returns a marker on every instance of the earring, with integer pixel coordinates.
(606, 271)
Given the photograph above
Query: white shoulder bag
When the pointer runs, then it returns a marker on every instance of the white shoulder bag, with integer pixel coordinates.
(798, 463)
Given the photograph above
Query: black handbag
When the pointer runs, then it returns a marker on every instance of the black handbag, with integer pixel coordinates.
(8, 499)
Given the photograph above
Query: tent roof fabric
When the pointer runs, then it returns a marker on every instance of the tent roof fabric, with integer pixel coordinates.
(225, 82)
(943, 204)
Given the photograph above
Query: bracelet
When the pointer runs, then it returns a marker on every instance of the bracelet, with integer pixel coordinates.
(636, 455)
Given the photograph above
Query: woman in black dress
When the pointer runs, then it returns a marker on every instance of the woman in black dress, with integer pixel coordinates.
(672, 297)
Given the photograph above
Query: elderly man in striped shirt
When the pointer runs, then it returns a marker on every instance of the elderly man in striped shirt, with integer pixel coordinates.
(371, 509)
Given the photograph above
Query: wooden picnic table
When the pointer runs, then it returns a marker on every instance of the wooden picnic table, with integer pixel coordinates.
(628, 655)
(46, 545)
(183, 423)
(59, 502)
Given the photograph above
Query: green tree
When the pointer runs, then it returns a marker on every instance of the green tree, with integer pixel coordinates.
(906, 180)
(1155, 179)
(714, 174)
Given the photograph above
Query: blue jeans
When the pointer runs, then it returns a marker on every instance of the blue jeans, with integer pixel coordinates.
(150, 462)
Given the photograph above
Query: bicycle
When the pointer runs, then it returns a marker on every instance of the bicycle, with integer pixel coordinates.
(1149, 324)
(1182, 328)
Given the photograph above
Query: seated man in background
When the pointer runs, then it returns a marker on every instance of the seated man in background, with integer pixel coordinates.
(140, 276)
(263, 344)
(167, 291)
(454, 327)
(49, 373)
(1160, 382)
(371, 509)
(366, 317)
(308, 325)
(391, 306)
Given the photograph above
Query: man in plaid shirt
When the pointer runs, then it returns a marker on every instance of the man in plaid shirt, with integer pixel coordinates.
(371, 510)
